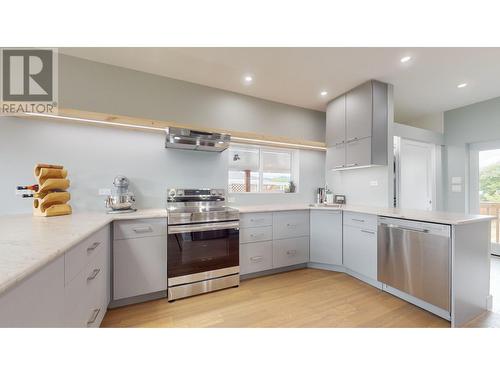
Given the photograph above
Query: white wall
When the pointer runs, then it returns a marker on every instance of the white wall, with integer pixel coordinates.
(464, 126)
(97, 87)
(95, 155)
(433, 121)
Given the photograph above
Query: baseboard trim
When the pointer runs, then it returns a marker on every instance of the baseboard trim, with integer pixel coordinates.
(138, 299)
(272, 271)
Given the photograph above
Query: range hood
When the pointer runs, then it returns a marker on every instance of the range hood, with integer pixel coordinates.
(187, 139)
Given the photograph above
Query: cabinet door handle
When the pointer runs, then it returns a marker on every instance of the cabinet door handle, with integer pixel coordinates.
(339, 143)
(291, 252)
(339, 166)
(352, 165)
(291, 226)
(352, 140)
(367, 231)
(143, 230)
(94, 274)
(94, 246)
(359, 220)
(256, 259)
(93, 317)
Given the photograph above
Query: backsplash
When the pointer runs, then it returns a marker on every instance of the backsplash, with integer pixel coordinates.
(94, 156)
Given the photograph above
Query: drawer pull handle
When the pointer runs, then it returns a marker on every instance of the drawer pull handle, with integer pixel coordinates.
(359, 220)
(291, 252)
(291, 225)
(352, 139)
(94, 246)
(352, 165)
(367, 231)
(94, 274)
(93, 317)
(143, 230)
(339, 166)
(256, 259)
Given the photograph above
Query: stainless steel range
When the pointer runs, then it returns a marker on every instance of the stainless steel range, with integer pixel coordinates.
(203, 242)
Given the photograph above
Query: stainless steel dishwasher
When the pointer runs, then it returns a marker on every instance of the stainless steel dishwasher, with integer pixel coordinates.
(415, 257)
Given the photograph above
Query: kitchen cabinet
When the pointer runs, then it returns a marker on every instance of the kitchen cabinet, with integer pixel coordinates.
(256, 257)
(139, 257)
(71, 291)
(37, 301)
(289, 224)
(360, 244)
(335, 122)
(335, 157)
(365, 120)
(326, 237)
(290, 251)
(358, 109)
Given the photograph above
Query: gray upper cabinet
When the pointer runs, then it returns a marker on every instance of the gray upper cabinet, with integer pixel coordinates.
(335, 122)
(359, 112)
(356, 127)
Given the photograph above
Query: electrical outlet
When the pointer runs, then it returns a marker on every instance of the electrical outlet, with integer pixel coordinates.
(103, 191)
(374, 183)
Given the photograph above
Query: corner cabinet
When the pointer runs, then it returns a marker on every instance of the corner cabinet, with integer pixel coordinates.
(356, 127)
(326, 237)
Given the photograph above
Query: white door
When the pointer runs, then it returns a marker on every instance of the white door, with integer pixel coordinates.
(416, 175)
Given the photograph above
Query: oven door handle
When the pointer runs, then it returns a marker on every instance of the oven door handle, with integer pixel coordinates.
(173, 229)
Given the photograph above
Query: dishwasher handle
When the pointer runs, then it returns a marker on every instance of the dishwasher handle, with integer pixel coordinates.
(405, 228)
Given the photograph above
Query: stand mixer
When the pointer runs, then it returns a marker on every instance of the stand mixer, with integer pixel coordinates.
(121, 200)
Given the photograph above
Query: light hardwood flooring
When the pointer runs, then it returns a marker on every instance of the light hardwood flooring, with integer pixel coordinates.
(301, 298)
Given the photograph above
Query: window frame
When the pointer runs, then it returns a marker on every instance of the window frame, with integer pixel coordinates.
(293, 168)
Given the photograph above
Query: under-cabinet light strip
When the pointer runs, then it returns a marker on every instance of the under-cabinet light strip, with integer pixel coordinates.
(94, 121)
(241, 139)
(276, 143)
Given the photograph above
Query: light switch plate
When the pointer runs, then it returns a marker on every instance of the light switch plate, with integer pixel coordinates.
(103, 191)
(456, 188)
(231, 199)
(456, 180)
(374, 183)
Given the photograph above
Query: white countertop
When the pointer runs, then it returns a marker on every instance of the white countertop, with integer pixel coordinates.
(28, 243)
(440, 217)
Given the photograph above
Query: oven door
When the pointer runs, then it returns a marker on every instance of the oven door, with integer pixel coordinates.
(202, 250)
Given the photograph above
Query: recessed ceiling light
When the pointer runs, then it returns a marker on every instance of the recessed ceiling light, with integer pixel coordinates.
(323, 93)
(462, 85)
(405, 59)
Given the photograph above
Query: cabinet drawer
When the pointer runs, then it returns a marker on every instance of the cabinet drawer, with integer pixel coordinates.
(76, 259)
(360, 251)
(359, 220)
(290, 251)
(290, 224)
(139, 266)
(262, 219)
(256, 234)
(139, 228)
(85, 298)
(256, 257)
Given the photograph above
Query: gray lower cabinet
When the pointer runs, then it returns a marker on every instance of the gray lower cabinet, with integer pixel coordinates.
(71, 291)
(290, 251)
(256, 257)
(37, 301)
(360, 250)
(139, 258)
(326, 237)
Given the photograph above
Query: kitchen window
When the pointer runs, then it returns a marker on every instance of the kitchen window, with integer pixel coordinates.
(257, 169)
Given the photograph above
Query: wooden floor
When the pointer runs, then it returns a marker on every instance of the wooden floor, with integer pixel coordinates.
(301, 298)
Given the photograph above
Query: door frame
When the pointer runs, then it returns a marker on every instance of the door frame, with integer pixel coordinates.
(435, 149)
(474, 149)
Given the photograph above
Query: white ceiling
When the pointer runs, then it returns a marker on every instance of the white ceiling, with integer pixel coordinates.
(427, 84)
